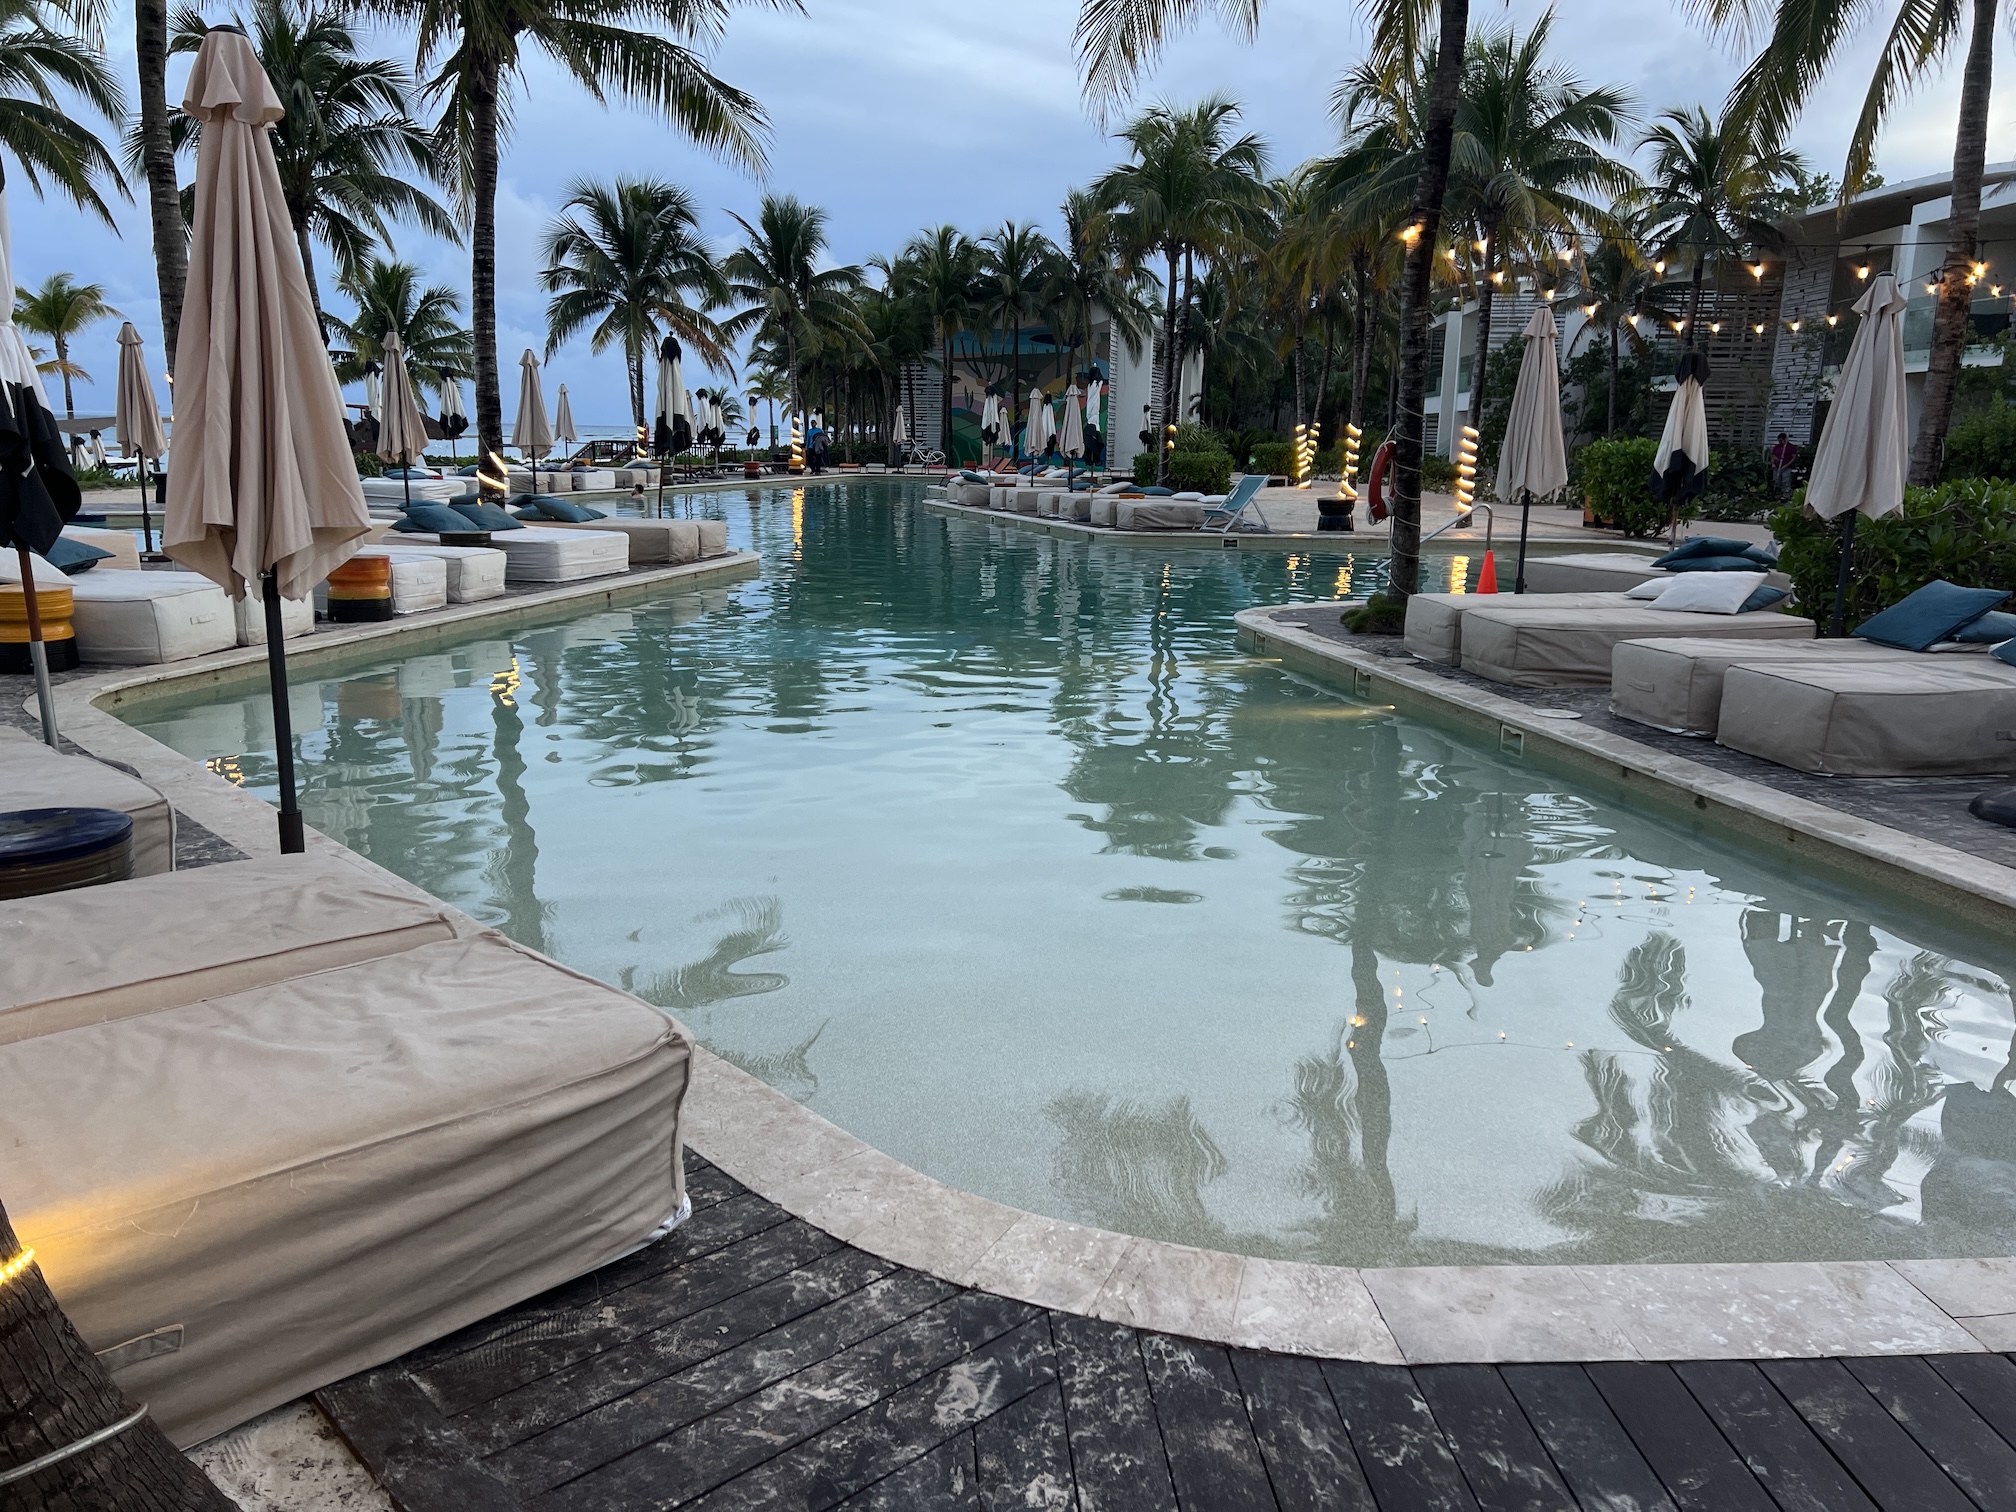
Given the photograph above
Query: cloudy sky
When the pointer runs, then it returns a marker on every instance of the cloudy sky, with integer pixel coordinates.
(895, 114)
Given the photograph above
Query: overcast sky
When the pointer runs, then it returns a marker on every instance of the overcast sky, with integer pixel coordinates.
(895, 114)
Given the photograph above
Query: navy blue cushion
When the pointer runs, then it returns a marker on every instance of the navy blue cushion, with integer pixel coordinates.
(1714, 564)
(468, 472)
(1713, 547)
(73, 557)
(485, 517)
(1988, 629)
(1157, 491)
(2005, 652)
(1763, 598)
(1930, 615)
(433, 519)
(566, 511)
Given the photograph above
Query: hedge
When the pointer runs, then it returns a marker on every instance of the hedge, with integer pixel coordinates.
(1203, 471)
(1964, 532)
(1983, 444)
(1617, 484)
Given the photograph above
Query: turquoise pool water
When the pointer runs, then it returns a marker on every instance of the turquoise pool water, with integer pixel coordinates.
(997, 850)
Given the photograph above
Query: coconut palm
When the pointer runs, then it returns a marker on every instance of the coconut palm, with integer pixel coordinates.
(42, 58)
(1089, 274)
(940, 268)
(1619, 288)
(1016, 266)
(391, 300)
(649, 52)
(770, 384)
(61, 309)
(350, 153)
(1803, 39)
(1709, 192)
(631, 262)
(791, 302)
(1192, 192)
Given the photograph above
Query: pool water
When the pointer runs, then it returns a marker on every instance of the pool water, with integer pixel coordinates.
(999, 852)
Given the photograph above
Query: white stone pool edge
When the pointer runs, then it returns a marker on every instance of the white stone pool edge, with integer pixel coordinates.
(1401, 1315)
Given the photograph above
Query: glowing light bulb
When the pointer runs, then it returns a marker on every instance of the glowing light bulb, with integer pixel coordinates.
(1659, 266)
(1862, 272)
(1757, 271)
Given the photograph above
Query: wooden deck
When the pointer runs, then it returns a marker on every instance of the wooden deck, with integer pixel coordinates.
(754, 1361)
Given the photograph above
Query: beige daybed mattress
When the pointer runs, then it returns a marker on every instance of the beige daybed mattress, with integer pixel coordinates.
(135, 619)
(1570, 647)
(1676, 685)
(1434, 630)
(472, 573)
(1941, 715)
(547, 554)
(1608, 572)
(32, 777)
(246, 1197)
(423, 490)
(1158, 514)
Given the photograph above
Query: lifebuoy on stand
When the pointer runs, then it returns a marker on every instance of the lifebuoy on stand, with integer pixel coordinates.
(1375, 486)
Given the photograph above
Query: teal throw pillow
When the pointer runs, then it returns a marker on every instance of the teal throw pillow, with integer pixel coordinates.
(485, 517)
(566, 511)
(1763, 598)
(432, 519)
(1990, 628)
(73, 557)
(1933, 614)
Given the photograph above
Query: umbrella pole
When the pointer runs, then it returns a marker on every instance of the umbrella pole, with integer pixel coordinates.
(293, 837)
(146, 475)
(1835, 624)
(1525, 515)
(38, 655)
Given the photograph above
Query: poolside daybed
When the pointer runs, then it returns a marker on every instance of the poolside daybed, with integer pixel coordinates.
(34, 776)
(1676, 685)
(271, 1123)
(542, 554)
(1608, 572)
(1570, 646)
(1434, 630)
(473, 573)
(1935, 716)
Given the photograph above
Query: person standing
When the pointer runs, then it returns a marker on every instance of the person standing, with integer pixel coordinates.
(1784, 457)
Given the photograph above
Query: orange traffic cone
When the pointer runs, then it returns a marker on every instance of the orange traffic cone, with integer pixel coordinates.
(1487, 579)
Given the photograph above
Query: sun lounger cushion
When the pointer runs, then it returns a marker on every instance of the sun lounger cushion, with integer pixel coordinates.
(1025, 500)
(32, 776)
(1104, 510)
(472, 573)
(1611, 571)
(546, 480)
(1158, 514)
(593, 479)
(1708, 593)
(248, 619)
(1933, 613)
(419, 580)
(537, 554)
(652, 542)
(1930, 717)
(428, 490)
(1676, 685)
(713, 537)
(1434, 630)
(135, 619)
(1570, 647)
(123, 551)
(278, 1188)
(104, 953)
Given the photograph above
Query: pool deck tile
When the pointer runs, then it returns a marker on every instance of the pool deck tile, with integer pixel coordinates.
(850, 1195)
(1964, 1288)
(1172, 1288)
(1321, 1310)
(1048, 1262)
(938, 1228)
(1454, 1314)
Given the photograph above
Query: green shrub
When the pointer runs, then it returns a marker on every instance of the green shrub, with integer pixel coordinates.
(370, 465)
(1206, 472)
(1739, 487)
(1438, 473)
(1617, 483)
(1274, 457)
(1964, 532)
(1983, 444)
(1144, 468)
(1379, 615)
(1192, 437)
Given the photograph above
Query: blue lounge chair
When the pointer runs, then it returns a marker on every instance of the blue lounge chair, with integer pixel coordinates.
(1223, 516)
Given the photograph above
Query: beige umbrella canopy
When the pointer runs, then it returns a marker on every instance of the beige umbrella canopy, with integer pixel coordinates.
(531, 432)
(264, 486)
(138, 419)
(563, 419)
(402, 433)
(1859, 465)
(1533, 460)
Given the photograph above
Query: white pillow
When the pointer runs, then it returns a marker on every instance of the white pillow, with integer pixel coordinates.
(1191, 496)
(1651, 588)
(1708, 592)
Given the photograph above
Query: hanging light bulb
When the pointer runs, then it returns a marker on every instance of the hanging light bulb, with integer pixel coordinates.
(1483, 245)
(1659, 267)
(1715, 328)
(1795, 327)
(1758, 329)
(1862, 271)
(1589, 312)
(1548, 295)
(1410, 234)
(1498, 276)
(1757, 271)
(1980, 269)
(1833, 320)
(1931, 286)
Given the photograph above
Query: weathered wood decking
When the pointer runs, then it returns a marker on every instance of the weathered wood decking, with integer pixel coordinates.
(754, 1361)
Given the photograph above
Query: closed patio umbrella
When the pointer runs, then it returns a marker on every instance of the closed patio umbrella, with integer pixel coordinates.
(1858, 467)
(1037, 436)
(899, 435)
(563, 419)
(264, 488)
(672, 431)
(402, 433)
(1534, 458)
(374, 390)
(531, 431)
(454, 422)
(1071, 438)
(1680, 466)
(138, 419)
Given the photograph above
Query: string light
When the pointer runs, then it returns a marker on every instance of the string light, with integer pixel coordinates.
(1758, 329)
(1757, 271)
(1862, 272)
(1483, 245)
(1498, 276)
(1659, 267)
(1795, 327)
(1931, 287)
(1466, 468)
(1548, 295)
(1347, 483)
(1980, 269)
(12, 1268)
(1410, 234)
(1715, 328)
(1833, 320)
(1589, 312)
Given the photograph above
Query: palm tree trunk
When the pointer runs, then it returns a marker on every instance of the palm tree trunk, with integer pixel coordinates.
(634, 357)
(1323, 383)
(1479, 364)
(1694, 300)
(1610, 420)
(308, 268)
(1361, 338)
(1015, 384)
(53, 1392)
(945, 400)
(1301, 400)
(1949, 323)
(164, 195)
(483, 256)
(63, 366)
(1415, 292)
(1168, 373)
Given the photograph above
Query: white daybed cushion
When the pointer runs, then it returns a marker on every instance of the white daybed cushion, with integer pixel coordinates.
(1158, 513)
(594, 479)
(134, 619)
(1103, 510)
(473, 572)
(1935, 717)
(123, 545)
(543, 554)
(1025, 500)
(1676, 685)
(1651, 588)
(1434, 629)
(427, 490)
(248, 619)
(419, 581)
(114, 952)
(652, 542)
(1592, 572)
(1708, 592)
(550, 480)
(713, 538)
(308, 1179)
(1570, 647)
(32, 776)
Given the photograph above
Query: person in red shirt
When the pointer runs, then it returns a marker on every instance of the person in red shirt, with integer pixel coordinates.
(1784, 456)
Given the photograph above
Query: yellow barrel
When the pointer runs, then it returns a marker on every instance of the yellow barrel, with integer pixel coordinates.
(361, 589)
(58, 635)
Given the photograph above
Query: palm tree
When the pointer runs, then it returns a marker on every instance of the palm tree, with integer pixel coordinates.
(39, 63)
(899, 335)
(60, 309)
(633, 260)
(770, 384)
(1618, 287)
(391, 301)
(646, 51)
(941, 269)
(1192, 191)
(1016, 264)
(1089, 274)
(792, 302)
(1710, 192)
(1803, 40)
(348, 148)
(155, 130)
(1529, 144)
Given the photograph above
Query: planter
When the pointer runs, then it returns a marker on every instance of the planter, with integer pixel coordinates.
(1334, 514)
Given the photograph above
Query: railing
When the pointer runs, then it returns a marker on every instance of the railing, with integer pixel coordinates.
(1463, 519)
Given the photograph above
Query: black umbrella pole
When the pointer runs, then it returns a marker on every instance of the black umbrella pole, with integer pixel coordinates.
(38, 654)
(293, 837)
(1525, 515)
(1836, 623)
(145, 474)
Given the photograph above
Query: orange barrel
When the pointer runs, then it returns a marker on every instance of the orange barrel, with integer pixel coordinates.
(361, 589)
(58, 636)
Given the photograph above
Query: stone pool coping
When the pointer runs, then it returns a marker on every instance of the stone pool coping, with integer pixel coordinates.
(1395, 1315)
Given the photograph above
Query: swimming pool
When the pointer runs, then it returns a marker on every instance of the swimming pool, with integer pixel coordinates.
(996, 850)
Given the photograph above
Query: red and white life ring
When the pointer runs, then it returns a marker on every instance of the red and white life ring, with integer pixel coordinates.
(1375, 486)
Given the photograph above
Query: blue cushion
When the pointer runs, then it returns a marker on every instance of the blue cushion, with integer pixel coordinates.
(485, 517)
(468, 472)
(1932, 614)
(1763, 598)
(73, 557)
(1990, 628)
(433, 519)
(1715, 564)
(975, 477)
(1157, 491)
(2005, 652)
(1702, 546)
(566, 511)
